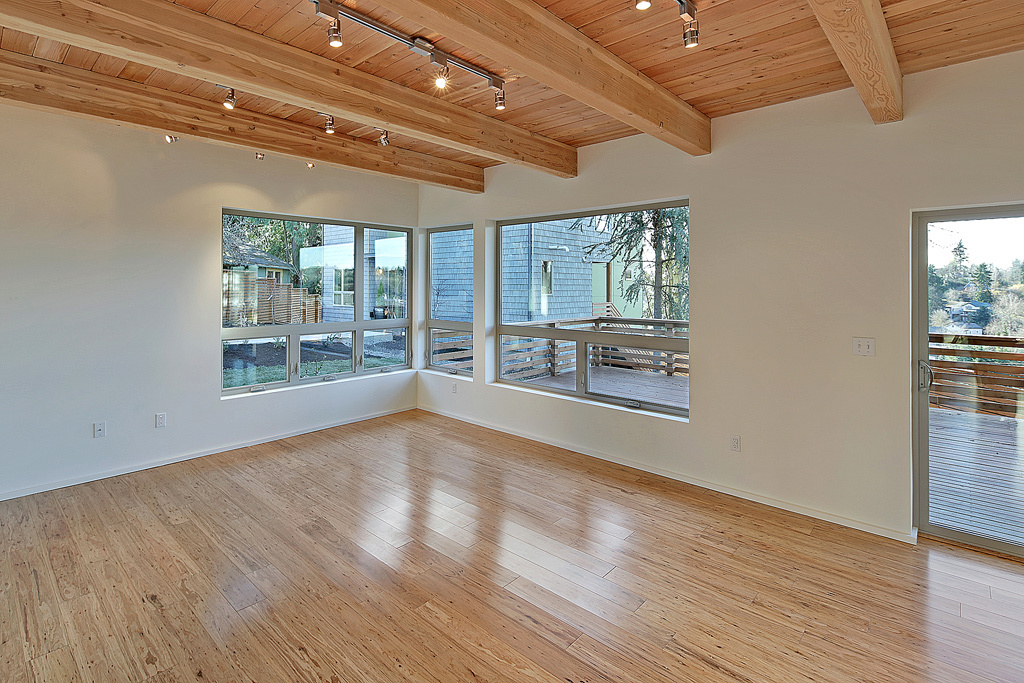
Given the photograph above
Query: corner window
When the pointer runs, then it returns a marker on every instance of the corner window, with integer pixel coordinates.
(450, 291)
(297, 306)
(616, 326)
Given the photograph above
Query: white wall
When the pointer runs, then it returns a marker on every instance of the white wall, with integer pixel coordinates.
(800, 240)
(110, 297)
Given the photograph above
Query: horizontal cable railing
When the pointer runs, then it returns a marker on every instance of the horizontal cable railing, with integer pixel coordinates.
(977, 373)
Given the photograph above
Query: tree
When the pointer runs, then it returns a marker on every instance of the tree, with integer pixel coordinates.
(960, 259)
(940, 318)
(1008, 315)
(656, 243)
(982, 316)
(281, 239)
(981, 276)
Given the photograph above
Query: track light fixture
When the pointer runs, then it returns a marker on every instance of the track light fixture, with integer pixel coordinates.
(334, 34)
(329, 124)
(171, 139)
(442, 77)
(384, 139)
(691, 34)
(691, 30)
(334, 10)
(643, 4)
(229, 97)
(259, 156)
(310, 164)
(499, 100)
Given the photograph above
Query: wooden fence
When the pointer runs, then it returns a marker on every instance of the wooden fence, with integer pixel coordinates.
(250, 300)
(977, 373)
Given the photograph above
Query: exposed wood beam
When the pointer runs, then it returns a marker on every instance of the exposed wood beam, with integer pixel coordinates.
(535, 42)
(860, 36)
(40, 83)
(161, 34)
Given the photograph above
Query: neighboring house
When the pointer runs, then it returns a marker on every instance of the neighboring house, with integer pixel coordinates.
(547, 274)
(239, 256)
(257, 288)
(965, 311)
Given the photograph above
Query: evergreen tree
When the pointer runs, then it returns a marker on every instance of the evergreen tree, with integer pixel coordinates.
(656, 243)
(981, 276)
(959, 260)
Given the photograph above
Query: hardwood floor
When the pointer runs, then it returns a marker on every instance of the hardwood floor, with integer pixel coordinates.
(417, 548)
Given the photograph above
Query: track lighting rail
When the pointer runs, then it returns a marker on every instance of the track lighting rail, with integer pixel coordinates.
(332, 10)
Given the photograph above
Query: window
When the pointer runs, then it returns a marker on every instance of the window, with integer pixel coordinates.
(450, 287)
(295, 308)
(345, 287)
(620, 337)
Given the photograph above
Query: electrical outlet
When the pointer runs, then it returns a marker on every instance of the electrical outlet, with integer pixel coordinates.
(735, 444)
(455, 387)
(99, 430)
(161, 420)
(863, 346)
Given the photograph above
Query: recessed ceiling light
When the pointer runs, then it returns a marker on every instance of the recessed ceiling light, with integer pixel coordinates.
(643, 4)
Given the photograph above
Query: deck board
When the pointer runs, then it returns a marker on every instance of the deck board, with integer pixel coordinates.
(634, 385)
(976, 474)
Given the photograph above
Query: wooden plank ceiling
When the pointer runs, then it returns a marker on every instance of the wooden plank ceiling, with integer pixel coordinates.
(752, 53)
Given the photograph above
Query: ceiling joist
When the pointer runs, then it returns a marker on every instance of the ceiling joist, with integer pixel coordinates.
(38, 83)
(163, 35)
(533, 41)
(859, 35)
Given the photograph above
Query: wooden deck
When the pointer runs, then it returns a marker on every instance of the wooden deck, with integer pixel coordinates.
(418, 549)
(976, 472)
(628, 384)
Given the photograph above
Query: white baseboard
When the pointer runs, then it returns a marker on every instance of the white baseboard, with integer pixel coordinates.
(51, 486)
(906, 537)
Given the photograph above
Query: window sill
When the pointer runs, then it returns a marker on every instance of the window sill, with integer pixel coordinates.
(307, 385)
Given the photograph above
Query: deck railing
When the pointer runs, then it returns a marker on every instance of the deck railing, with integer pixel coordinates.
(612, 341)
(977, 373)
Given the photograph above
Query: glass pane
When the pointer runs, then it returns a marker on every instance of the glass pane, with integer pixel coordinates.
(276, 271)
(548, 267)
(339, 266)
(255, 361)
(451, 275)
(452, 350)
(325, 354)
(386, 262)
(655, 377)
(384, 348)
(542, 362)
(975, 458)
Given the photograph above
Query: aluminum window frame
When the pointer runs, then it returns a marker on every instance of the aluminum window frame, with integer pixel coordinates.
(583, 338)
(442, 323)
(292, 332)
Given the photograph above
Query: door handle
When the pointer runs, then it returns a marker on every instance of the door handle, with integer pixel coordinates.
(925, 376)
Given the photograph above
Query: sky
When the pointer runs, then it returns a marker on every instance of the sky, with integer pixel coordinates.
(996, 241)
